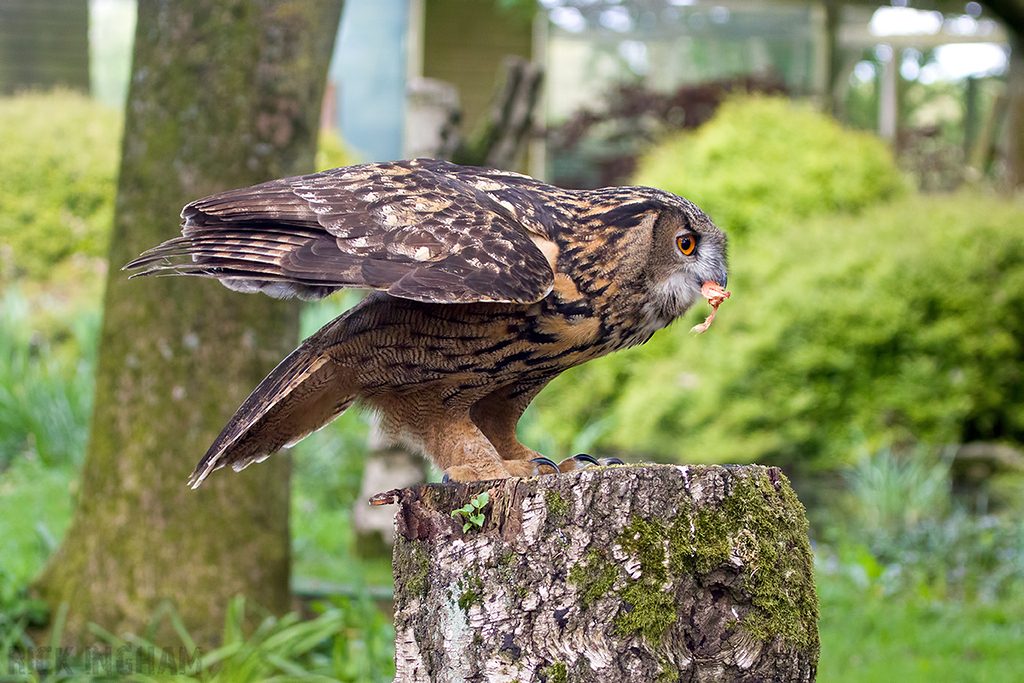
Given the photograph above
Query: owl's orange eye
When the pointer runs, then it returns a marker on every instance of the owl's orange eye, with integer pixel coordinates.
(686, 244)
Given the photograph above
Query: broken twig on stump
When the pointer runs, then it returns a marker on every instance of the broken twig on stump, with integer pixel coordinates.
(635, 573)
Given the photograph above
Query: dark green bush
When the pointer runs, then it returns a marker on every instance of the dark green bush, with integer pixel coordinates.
(764, 162)
(58, 168)
(905, 321)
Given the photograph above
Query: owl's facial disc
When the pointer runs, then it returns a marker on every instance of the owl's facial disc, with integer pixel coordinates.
(692, 257)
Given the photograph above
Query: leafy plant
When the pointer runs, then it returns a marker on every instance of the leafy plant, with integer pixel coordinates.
(895, 494)
(18, 614)
(472, 512)
(899, 530)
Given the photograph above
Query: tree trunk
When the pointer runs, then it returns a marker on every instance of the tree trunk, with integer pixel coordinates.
(642, 573)
(224, 94)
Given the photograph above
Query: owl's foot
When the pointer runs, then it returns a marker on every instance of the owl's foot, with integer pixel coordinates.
(508, 468)
(530, 468)
(582, 461)
(527, 468)
(542, 465)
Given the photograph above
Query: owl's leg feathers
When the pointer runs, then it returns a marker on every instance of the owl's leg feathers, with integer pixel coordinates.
(461, 451)
(497, 415)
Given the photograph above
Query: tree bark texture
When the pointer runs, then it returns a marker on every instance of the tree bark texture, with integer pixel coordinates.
(636, 573)
(223, 94)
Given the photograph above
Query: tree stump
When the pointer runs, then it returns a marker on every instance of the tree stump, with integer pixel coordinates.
(634, 573)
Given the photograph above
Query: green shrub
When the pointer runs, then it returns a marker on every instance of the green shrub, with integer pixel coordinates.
(58, 168)
(763, 162)
(905, 321)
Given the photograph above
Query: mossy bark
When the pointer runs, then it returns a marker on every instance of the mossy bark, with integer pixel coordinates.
(638, 573)
(224, 94)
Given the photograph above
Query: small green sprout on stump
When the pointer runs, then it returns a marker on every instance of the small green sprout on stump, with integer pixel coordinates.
(472, 512)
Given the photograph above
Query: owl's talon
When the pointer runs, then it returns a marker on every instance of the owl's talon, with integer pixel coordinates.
(582, 461)
(585, 457)
(445, 478)
(546, 461)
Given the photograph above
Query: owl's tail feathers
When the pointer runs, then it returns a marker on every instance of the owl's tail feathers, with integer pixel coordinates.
(304, 393)
(281, 261)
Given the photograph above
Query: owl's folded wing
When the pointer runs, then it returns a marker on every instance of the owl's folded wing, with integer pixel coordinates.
(421, 230)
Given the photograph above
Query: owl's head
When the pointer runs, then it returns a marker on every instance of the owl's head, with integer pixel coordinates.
(687, 250)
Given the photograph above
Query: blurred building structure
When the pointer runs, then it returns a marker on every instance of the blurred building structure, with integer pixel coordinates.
(590, 47)
(369, 72)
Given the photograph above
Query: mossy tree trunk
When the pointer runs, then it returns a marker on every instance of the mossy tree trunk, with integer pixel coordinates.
(638, 573)
(223, 94)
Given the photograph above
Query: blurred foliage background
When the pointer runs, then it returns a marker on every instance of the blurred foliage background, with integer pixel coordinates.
(873, 330)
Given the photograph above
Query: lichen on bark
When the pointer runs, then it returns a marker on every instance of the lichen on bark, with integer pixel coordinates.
(614, 574)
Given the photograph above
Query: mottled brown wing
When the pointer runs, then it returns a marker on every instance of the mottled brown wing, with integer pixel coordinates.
(420, 229)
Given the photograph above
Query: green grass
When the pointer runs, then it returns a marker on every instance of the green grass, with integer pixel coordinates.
(35, 510)
(45, 382)
(348, 642)
(867, 635)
